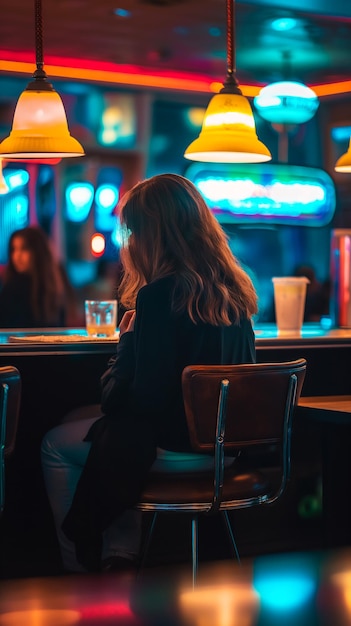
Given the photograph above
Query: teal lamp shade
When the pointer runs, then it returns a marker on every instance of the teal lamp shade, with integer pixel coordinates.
(286, 102)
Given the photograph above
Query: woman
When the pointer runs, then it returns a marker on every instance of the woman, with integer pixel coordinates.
(32, 292)
(189, 303)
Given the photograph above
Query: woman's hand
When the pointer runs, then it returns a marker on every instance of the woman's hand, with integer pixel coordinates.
(127, 322)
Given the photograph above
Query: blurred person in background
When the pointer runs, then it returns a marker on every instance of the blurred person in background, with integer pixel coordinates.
(317, 294)
(33, 292)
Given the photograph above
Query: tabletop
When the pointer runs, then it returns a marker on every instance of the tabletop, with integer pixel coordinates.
(332, 409)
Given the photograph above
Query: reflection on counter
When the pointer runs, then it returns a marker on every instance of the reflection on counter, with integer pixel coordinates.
(9, 335)
(310, 330)
(63, 339)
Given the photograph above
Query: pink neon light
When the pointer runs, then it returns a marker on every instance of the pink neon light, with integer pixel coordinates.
(105, 66)
(106, 611)
(190, 81)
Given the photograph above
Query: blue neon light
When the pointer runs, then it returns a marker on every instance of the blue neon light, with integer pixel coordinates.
(15, 178)
(106, 198)
(117, 234)
(79, 198)
(283, 24)
(266, 193)
(21, 209)
(341, 133)
(286, 583)
(122, 12)
(284, 591)
(105, 223)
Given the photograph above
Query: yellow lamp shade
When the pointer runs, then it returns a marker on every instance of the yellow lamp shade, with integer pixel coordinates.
(344, 163)
(40, 129)
(228, 133)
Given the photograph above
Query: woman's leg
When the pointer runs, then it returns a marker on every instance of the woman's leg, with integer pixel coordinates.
(64, 454)
(123, 537)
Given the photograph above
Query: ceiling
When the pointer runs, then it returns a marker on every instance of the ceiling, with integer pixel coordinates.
(190, 36)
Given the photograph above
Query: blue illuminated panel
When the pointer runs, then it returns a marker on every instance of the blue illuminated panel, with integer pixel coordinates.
(79, 198)
(14, 207)
(266, 193)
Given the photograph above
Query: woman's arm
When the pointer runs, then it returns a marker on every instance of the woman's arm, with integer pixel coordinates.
(143, 370)
(116, 380)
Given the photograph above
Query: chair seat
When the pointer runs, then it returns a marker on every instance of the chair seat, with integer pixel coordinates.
(197, 488)
(170, 461)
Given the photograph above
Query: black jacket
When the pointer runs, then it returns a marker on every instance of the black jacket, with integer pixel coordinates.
(143, 407)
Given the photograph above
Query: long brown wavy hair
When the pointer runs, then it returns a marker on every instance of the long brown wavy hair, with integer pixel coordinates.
(46, 282)
(169, 229)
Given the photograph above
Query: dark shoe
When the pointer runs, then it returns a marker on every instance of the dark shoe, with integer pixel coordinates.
(88, 552)
(118, 564)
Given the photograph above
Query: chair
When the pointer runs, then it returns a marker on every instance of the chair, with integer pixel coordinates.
(245, 410)
(10, 397)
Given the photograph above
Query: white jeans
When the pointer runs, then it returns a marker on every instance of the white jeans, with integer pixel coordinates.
(63, 455)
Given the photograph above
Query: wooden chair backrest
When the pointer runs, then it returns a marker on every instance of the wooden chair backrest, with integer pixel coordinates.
(257, 402)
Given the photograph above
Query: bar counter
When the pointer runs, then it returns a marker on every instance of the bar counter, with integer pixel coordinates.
(80, 360)
(56, 340)
(61, 368)
(53, 341)
(328, 355)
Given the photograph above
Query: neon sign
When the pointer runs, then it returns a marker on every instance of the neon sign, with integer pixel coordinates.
(266, 193)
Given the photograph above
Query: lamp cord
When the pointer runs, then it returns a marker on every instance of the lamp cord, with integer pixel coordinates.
(230, 38)
(231, 84)
(38, 35)
(40, 81)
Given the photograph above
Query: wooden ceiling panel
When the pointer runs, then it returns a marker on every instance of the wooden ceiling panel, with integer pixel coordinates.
(188, 35)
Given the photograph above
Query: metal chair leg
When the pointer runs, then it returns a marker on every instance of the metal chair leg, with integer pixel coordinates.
(194, 545)
(147, 542)
(230, 534)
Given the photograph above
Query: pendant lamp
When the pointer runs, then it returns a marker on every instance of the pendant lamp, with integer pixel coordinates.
(3, 184)
(39, 130)
(286, 102)
(343, 164)
(228, 133)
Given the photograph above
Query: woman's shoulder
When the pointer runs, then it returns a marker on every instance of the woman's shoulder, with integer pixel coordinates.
(160, 288)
